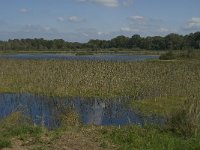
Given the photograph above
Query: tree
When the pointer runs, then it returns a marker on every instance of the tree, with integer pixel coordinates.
(135, 41)
(120, 42)
(174, 41)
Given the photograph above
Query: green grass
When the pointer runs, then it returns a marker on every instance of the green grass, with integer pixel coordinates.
(5, 143)
(17, 126)
(126, 138)
(162, 106)
(152, 138)
(17, 131)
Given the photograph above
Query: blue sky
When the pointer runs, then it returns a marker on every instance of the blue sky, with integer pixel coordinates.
(82, 20)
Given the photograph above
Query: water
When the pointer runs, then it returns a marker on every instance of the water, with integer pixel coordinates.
(106, 57)
(45, 111)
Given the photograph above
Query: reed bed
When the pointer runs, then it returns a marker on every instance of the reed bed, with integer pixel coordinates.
(140, 80)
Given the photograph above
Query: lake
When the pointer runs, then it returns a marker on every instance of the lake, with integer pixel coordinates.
(45, 111)
(105, 57)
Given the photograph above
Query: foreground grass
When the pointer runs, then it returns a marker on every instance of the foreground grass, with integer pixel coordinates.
(16, 133)
(152, 138)
(17, 126)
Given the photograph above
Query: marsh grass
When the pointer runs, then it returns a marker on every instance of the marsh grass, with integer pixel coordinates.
(149, 137)
(181, 55)
(186, 121)
(161, 106)
(84, 53)
(69, 118)
(18, 130)
(16, 125)
(140, 80)
(160, 87)
(168, 56)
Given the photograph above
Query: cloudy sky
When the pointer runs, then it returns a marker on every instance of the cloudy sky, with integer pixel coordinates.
(82, 20)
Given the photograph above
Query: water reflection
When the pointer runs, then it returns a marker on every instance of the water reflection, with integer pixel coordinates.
(46, 111)
(105, 57)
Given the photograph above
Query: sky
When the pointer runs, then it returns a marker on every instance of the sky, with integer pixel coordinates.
(82, 20)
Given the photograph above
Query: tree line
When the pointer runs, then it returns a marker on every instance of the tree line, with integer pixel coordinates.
(169, 42)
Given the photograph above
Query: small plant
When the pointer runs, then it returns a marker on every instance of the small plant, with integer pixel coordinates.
(5, 143)
(69, 118)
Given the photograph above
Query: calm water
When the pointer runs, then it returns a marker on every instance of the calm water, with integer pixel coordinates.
(106, 57)
(45, 111)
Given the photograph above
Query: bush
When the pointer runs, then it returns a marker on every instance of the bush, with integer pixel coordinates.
(168, 56)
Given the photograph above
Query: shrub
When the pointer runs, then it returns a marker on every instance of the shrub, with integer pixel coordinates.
(167, 56)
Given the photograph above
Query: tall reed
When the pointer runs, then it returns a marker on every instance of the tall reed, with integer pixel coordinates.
(104, 79)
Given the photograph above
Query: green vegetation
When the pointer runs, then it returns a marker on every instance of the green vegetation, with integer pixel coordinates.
(186, 121)
(136, 42)
(185, 55)
(16, 125)
(18, 132)
(168, 56)
(166, 88)
(141, 80)
(162, 106)
(148, 137)
(181, 130)
(5, 143)
(83, 53)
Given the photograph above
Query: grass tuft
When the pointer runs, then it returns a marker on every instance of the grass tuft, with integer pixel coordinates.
(186, 122)
(5, 143)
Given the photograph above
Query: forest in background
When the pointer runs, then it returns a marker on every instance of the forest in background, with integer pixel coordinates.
(169, 42)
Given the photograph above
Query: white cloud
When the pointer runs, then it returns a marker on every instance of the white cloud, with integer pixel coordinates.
(23, 10)
(37, 29)
(60, 19)
(108, 3)
(85, 34)
(163, 29)
(193, 23)
(145, 26)
(128, 29)
(137, 18)
(75, 19)
(99, 33)
(46, 28)
(127, 2)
